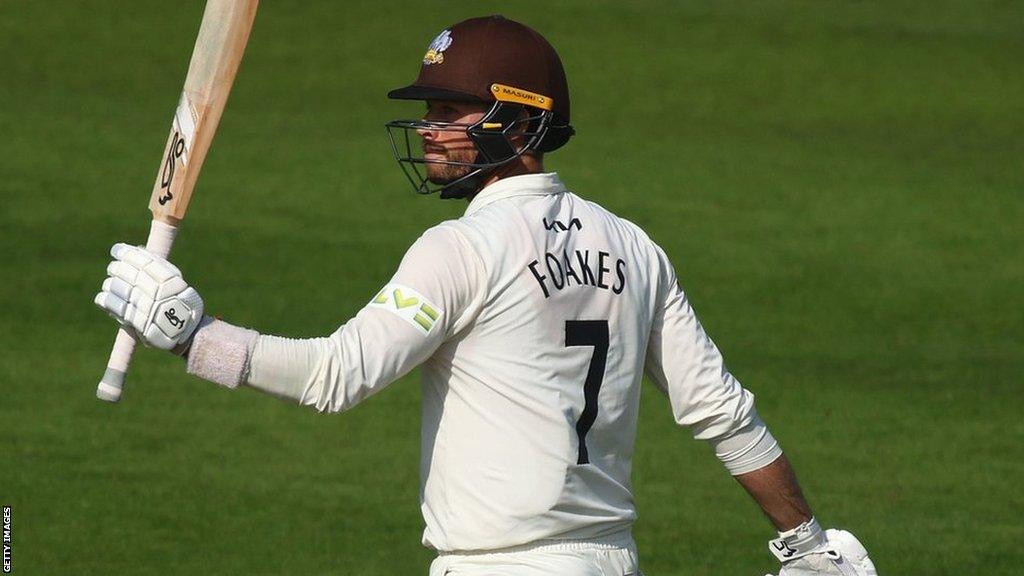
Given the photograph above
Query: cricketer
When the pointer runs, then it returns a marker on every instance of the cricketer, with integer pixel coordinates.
(533, 317)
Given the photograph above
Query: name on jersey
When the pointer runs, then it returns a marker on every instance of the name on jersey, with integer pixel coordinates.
(579, 268)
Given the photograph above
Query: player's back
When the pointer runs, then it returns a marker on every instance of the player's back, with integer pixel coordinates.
(530, 410)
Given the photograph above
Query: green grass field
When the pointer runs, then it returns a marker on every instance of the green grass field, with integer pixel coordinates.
(839, 185)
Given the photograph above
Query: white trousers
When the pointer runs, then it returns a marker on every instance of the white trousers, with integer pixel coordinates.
(615, 556)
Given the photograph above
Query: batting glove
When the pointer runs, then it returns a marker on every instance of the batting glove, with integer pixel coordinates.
(148, 297)
(808, 551)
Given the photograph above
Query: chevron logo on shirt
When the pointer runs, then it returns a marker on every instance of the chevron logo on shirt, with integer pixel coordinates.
(409, 305)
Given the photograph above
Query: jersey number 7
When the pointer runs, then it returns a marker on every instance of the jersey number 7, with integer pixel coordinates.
(589, 333)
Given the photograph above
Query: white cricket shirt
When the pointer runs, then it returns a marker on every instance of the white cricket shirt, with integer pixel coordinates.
(533, 317)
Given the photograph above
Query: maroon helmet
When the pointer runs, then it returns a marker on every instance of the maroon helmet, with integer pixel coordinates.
(497, 61)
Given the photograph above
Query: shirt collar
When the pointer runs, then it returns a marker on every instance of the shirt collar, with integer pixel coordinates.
(522, 185)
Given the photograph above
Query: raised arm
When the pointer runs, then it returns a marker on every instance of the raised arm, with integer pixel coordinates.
(435, 291)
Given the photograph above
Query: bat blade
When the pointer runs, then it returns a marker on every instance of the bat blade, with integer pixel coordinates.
(211, 72)
(223, 35)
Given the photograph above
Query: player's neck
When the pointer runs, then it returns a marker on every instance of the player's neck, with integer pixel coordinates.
(525, 164)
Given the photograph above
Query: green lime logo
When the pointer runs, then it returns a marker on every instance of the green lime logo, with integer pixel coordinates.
(409, 305)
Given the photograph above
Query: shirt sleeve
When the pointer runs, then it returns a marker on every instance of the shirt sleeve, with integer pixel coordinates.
(437, 289)
(685, 364)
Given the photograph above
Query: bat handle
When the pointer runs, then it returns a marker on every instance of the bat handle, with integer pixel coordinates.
(161, 238)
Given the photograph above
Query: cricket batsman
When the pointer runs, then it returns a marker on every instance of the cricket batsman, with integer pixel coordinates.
(533, 318)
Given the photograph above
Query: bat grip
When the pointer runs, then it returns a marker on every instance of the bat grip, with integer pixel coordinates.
(161, 238)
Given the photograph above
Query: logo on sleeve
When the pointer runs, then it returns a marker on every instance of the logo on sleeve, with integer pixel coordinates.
(409, 305)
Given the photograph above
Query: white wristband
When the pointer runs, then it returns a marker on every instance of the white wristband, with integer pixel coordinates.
(221, 352)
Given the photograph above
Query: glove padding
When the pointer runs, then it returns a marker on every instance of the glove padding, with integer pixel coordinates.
(148, 297)
(808, 551)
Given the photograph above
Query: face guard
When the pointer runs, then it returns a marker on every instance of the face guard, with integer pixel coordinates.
(493, 137)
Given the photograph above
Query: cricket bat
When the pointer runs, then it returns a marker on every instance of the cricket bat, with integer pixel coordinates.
(211, 72)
